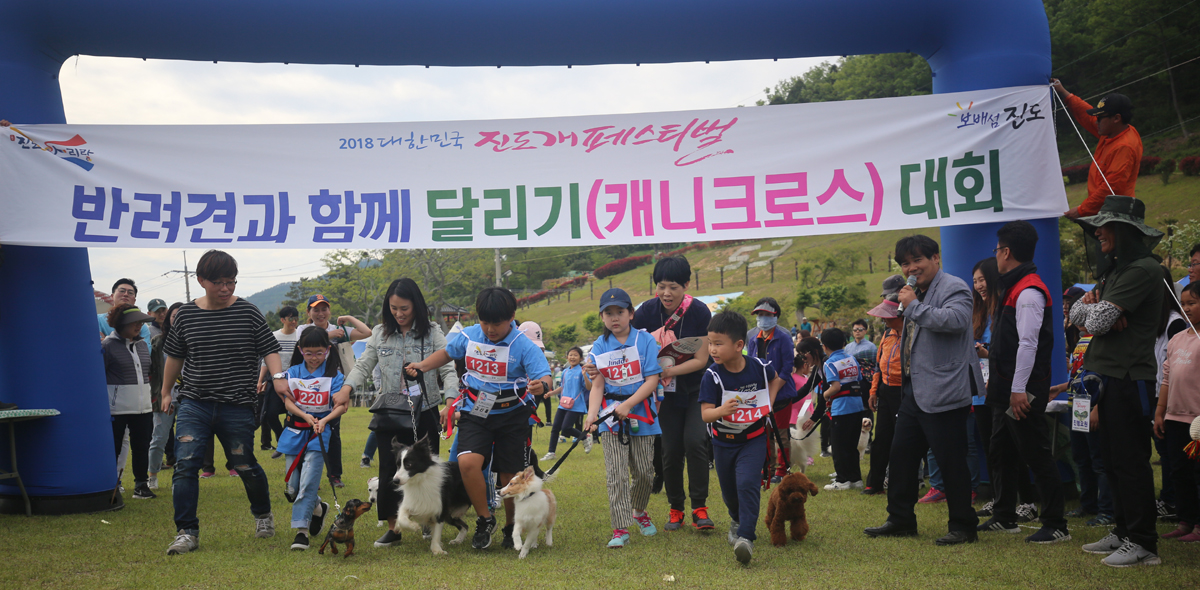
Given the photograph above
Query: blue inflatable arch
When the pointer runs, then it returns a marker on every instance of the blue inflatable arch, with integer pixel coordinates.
(46, 291)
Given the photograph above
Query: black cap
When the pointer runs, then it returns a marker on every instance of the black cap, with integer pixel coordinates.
(613, 297)
(892, 285)
(1073, 294)
(1114, 104)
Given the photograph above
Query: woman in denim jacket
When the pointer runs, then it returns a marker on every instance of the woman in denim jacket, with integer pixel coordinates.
(405, 336)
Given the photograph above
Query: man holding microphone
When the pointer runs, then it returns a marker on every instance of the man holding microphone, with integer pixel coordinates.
(940, 373)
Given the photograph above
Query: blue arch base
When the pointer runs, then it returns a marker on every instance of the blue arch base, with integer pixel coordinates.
(70, 456)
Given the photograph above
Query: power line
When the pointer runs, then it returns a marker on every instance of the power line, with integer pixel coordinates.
(1126, 35)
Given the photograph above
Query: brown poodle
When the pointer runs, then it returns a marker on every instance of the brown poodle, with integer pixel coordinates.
(787, 505)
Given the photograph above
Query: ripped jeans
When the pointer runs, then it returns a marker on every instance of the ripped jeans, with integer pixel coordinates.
(195, 423)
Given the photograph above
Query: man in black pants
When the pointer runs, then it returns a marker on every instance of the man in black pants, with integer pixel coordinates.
(1122, 314)
(940, 373)
(1019, 387)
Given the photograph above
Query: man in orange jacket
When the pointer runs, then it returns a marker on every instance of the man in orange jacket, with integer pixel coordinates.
(1119, 153)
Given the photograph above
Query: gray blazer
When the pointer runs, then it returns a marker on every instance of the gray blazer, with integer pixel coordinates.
(944, 362)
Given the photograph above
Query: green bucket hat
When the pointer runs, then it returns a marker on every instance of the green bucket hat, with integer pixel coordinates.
(1122, 209)
(1131, 214)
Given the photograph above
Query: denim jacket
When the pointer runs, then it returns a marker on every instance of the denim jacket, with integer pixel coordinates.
(392, 352)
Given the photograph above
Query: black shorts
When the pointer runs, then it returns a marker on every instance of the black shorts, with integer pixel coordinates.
(508, 432)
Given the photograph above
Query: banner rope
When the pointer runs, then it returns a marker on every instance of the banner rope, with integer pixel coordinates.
(1082, 140)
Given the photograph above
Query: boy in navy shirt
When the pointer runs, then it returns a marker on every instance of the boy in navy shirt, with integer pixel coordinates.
(844, 397)
(506, 374)
(736, 395)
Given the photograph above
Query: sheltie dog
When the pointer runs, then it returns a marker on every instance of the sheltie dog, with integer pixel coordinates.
(534, 508)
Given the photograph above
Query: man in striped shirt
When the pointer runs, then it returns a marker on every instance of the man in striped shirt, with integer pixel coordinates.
(217, 341)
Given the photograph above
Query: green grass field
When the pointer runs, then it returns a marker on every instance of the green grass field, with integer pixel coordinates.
(127, 549)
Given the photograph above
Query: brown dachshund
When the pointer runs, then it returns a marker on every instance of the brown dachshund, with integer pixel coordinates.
(787, 506)
(342, 530)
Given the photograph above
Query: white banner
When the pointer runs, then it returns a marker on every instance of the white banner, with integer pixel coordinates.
(745, 173)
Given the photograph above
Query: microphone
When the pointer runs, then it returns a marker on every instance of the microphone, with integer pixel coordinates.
(911, 282)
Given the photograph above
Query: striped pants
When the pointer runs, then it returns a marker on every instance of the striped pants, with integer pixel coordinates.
(620, 463)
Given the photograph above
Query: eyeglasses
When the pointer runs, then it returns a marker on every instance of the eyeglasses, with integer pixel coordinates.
(997, 249)
(224, 284)
(860, 329)
(126, 292)
(314, 355)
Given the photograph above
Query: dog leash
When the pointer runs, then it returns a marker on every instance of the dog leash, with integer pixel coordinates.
(565, 455)
(325, 457)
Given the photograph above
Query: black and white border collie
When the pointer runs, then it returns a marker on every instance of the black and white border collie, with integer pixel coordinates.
(434, 494)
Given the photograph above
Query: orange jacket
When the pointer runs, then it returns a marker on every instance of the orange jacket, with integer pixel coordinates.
(888, 358)
(1119, 156)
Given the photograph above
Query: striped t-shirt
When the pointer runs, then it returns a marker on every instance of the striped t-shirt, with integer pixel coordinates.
(220, 351)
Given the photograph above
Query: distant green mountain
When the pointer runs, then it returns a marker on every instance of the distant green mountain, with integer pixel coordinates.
(270, 299)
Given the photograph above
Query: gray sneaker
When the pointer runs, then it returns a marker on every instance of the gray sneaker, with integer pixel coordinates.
(733, 536)
(743, 550)
(152, 482)
(264, 528)
(1104, 546)
(1131, 554)
(184, 543)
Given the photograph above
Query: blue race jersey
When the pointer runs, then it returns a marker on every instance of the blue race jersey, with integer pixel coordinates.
(842, 368)
(496, 367)
(624, 368)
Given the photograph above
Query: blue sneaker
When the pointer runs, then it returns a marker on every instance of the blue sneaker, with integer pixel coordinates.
(645, 524)
(619, 539)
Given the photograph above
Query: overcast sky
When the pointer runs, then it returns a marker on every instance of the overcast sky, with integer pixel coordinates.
(134, 92)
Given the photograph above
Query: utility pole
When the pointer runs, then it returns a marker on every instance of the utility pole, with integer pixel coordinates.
(499, 279)
(187, 275)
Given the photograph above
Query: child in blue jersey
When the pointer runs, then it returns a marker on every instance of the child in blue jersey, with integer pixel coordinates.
(507, 375)
(844, 397)
(621, 405)
(313, 378)
(736, 396)
(572, 403)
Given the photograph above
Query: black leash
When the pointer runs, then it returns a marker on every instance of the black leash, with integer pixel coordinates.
(565, 455)
(325, 456)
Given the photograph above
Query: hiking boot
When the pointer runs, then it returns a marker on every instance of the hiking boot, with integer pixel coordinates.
(484, 529)
(743, 549)
(264, 528)
(1105, 546)
(184, 543)
(700, 519)
(142, 492)
(619, 539)
(1048, 535)
(300, 543)
(1131, 554)
(389, 539)
(995, 526)
(644, 523)
(315, 524)
(674, 520)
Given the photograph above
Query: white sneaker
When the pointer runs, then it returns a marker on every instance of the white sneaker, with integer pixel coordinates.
(838, 486)
(548, 457)
(264, 528)
(587, 444)
(833, 475)
(152, 482)
(1131, 554)
(1105, 546)
(184, 543)
(858, 485)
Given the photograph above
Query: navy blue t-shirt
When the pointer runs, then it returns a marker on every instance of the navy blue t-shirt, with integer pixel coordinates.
(749, 379)
(651, 316)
